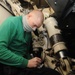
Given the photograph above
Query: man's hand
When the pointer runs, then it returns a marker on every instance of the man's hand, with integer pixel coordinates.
(34, 62)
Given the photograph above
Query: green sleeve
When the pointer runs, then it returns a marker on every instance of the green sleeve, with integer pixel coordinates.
(7, 56)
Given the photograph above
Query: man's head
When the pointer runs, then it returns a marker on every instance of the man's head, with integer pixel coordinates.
(35, 19)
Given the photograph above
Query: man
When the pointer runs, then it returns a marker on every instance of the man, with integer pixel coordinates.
(15, 38)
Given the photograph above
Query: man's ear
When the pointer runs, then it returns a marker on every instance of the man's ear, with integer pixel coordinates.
(29, 15)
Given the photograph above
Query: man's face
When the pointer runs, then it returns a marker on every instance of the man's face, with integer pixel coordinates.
(34, 23)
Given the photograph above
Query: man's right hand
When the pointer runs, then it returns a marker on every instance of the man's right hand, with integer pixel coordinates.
(34, 62)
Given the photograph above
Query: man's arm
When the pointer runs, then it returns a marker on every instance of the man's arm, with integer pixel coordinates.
(7, 56)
